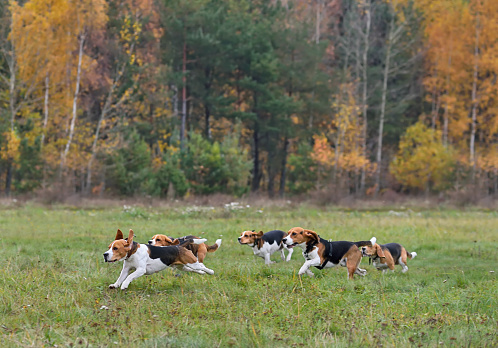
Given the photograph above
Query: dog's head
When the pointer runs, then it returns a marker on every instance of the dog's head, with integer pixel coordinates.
(300, 236)
(250, 237)
(163, 240)
(119, 248)
(373, 251)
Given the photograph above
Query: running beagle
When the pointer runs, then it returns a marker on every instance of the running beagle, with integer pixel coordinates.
(321, 253)
(199, 250)
(265, 244)
(148, 259)
(384, 256)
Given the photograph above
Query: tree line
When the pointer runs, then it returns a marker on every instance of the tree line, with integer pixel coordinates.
(176, 97)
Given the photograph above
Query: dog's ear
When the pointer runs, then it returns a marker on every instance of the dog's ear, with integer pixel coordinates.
(119, 235)
(311, 234)
(380, 253)
(175, 242)
(130, 238)
(259, 234)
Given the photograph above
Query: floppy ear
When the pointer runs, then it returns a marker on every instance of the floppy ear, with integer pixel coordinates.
(130, 238)
(119, 235)
(380, 253)
(175, 242)
(311, 234)
(259, 234)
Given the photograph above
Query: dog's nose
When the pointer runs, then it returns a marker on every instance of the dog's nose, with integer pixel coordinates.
(105, 256)
(239, 238)
(150, 241)
(363, 249)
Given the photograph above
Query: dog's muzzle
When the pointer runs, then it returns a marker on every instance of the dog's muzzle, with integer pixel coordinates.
(150, 242)
(106, 258)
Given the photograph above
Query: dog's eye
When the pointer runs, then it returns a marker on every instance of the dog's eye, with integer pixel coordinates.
(114, 248)
(293, 233)
(158, 240)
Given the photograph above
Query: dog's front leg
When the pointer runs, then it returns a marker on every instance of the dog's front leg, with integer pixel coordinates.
(289, 254)
(267, 259)
(124, 273)
(138, 273)
(305, 268)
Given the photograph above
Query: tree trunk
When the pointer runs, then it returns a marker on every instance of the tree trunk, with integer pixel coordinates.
(45, 108)
(474, 101)
(383, 108)
(8, 178)
(75, 101)
(283, 171)
(103, 114)
(184, 98)
(365, 96)
(256, 176)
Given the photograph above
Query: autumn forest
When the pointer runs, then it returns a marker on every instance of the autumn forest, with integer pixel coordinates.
(170, 98)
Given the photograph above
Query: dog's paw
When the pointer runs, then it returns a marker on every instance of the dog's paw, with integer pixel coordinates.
(208, 271)
(113, 286)
(124, 287)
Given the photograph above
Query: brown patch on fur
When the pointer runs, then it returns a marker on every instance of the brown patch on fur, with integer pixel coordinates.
(404, 256)
(250, 237)
(353, 260)
(121, 247)
(185, 256)
(299, 235)
(321, 250)
(384, 255)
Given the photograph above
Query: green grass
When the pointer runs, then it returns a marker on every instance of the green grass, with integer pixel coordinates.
(54, 283)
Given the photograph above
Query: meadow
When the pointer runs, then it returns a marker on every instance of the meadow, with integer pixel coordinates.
(54, 282)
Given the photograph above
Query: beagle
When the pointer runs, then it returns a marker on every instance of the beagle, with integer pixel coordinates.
(148, 259)
(199, 250)
(321, 253)
(384, 256)
(265, 244)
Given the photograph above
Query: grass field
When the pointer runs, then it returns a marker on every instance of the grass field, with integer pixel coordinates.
(54, 283)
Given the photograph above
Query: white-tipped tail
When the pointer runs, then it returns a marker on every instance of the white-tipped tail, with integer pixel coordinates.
(373, 240)
(199, 240)
(218, 242)
(413, 254)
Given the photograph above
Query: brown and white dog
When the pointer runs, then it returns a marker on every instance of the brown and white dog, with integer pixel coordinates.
(199, 250)
(265, 244)
(384, 256)
(321, 253)
(148, 259)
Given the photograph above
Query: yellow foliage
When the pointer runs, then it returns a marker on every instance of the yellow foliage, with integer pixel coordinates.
(422, 160)
(10, 147)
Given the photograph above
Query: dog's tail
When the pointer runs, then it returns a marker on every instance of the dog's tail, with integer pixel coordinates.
(214, 247)
(411, 255)
(187, 241)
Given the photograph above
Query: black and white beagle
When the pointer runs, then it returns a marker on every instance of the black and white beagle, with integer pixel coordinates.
(321, 253)
(148, 259)
(265, 244)
(386, 256)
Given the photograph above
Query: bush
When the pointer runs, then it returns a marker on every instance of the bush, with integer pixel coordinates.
(423, 162)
